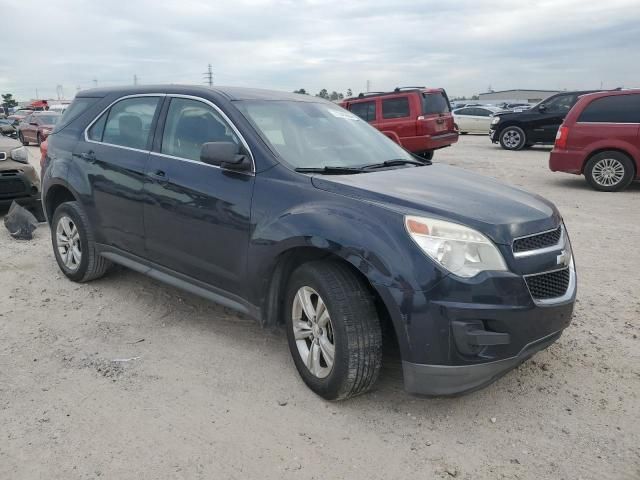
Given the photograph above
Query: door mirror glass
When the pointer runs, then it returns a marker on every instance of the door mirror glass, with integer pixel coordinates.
(225, 155)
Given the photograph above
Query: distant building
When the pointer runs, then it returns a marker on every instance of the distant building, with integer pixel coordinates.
(516, 96)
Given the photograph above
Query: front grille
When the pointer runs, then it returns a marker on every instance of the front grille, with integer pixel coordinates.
(549, 285)
(11, 186)
(536, 242)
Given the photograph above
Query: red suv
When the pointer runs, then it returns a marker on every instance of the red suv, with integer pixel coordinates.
(600, 138)
(417, 118)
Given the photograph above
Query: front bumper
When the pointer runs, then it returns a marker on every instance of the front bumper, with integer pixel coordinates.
(439, 380)
(493, 135)
(429, 142)
(17, 186)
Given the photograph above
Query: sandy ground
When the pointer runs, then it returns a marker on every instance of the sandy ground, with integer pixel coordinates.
(125, 378)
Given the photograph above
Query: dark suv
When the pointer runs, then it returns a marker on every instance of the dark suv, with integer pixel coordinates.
(294, 211)
(539, 124)
(418, 118)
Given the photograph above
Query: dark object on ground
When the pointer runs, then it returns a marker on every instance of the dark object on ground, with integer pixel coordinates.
(20, 222)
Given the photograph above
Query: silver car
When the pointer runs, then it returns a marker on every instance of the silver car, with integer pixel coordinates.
(474, 119)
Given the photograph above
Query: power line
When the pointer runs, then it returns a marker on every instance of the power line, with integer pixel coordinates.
(208, 76)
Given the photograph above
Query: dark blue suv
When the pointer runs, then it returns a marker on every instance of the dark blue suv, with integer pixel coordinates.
(294, 211)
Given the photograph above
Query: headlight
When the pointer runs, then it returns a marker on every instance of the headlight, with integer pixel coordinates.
(46, 131)
(461, 250)
(20, 154)
(495, 120)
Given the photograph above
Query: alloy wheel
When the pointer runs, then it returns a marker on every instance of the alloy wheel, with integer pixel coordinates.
(511, 138)
(313, 332)
(608, 172)
(68, 243)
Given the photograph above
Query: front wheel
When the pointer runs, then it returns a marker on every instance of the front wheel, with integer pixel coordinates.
(513, 138)
(609, 171)
(333, 330)
(22, 140)
(38, 139)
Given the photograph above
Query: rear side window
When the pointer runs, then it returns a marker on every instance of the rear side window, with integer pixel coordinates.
(395, 107)
(614, 109)
(435, 103)
(127, 123)
(365, 110)
(73, 111)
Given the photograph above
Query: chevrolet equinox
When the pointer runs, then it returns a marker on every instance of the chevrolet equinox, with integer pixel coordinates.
(295, 211)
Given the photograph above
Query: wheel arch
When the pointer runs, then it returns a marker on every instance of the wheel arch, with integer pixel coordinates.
(57, 194)
(624, 152)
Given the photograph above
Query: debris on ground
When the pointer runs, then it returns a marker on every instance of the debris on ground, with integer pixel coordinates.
(20, 222)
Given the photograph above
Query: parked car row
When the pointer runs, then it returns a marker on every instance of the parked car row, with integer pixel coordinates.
(36, 127)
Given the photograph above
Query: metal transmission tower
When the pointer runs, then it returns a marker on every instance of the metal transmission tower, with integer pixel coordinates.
(135, 79)
(208, 76)
(60, 92)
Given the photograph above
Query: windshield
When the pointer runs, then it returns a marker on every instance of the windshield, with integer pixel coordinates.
(317, 135)
(48, 119)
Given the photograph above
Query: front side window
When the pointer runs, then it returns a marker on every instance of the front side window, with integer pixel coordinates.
(395, 107)
(127, 123)
(317, 135)
(560, 104)
(614, 109)
(190, 124)
(482, 112)
(365, 110)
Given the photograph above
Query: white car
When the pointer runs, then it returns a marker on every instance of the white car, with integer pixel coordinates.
(474, 119)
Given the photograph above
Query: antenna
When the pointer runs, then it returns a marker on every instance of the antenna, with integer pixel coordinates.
(208, 76)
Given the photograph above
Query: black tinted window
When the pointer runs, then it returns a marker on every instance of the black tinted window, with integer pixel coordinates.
(190, 124)
(395, 107)
(365, 110)
(435, 103)
(482, 112)
(129, 122)
(616, 109)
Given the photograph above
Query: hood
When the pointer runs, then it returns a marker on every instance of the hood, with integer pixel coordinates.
(499, 211)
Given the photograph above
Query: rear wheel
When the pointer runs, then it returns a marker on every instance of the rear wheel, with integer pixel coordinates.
(22, 140)
(513, 138)
(333, 330)
(609, 171)
(74, 246)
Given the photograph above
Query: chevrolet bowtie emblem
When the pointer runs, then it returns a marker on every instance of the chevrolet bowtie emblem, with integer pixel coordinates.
(564, 258)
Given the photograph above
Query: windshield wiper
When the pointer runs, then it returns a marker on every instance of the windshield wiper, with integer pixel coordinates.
(396, 162)
(328, 170)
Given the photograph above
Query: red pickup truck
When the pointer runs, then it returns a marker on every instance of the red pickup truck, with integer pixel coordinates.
(418, 118)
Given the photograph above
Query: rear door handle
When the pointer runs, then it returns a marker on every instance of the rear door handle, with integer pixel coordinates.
(159, 175)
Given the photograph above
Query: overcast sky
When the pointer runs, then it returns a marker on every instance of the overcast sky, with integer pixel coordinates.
(463, 46)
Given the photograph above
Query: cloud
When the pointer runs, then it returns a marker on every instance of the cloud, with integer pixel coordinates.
(463, 46)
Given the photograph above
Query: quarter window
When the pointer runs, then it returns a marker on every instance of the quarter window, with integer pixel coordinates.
(128, 123)
(613, 109)
(190, 124)
(395, 107)
(365, 110)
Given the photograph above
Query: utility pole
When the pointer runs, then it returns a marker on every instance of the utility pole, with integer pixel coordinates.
(95, 82)
(60, 92)
(368, 86)
(208, 76)
(135, 79)
(37, 96)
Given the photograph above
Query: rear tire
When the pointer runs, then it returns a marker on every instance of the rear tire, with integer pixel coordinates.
(609, 171)
(428, 155)
(74, 246)
(513, 138)
(347, 328)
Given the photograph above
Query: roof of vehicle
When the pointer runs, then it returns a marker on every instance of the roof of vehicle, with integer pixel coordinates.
(395, 91)
(609, 93)
(232, 93)
(46, 112)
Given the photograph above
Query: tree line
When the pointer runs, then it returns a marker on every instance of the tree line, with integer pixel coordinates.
(324, 93)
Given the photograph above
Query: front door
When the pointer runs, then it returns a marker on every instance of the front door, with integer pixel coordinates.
(197, 219)
(114, 155)
(546, 127)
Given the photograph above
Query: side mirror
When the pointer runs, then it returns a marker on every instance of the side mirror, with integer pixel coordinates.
(35, 124)
(542, 107)
(226, 155)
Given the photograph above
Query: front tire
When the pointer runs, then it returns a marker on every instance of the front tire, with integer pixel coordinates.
(333, 330)
(74, 246)
(22, 140)
(513, 138)
(609, 171)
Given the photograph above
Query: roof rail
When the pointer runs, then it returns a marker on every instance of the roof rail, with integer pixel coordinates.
(365, 94)
(397, 89)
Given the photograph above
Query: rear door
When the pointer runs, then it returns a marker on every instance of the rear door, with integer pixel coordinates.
(114, 153)
(397, 118)
(366, 110)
